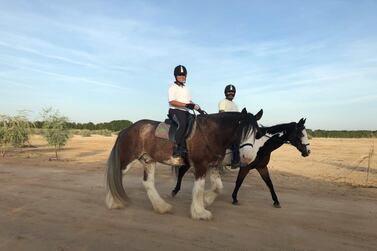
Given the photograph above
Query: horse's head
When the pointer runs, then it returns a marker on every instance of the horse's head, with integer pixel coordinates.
(299, 138)
(250, 132)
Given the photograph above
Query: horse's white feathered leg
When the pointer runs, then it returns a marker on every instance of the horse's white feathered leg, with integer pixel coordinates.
(216, 187)
(197, 206)
(159, 205)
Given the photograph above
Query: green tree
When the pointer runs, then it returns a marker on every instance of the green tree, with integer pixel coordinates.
(56, 129)
(14, 131)
(4, 134)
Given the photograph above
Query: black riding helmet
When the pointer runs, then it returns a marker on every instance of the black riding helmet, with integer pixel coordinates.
(180, 70)
(229, 88)
(230, 92)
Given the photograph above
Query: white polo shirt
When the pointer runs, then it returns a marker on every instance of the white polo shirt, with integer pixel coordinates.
(179, 93)
(227, 106)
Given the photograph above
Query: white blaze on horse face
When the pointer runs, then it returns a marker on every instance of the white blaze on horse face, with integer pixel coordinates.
(246, 153)
(305, 140)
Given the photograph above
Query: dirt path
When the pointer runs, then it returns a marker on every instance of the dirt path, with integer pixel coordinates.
(44, 208)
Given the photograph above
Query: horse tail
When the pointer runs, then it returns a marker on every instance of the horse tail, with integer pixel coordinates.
(116, 196)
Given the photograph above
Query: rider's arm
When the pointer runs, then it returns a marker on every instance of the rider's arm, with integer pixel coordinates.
(177, 103)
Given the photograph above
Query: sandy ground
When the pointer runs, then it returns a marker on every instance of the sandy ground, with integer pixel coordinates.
(327, 203)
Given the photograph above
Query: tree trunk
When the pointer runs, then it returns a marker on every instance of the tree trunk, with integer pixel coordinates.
(56, 153)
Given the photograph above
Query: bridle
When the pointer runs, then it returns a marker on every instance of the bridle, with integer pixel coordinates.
(246, 144)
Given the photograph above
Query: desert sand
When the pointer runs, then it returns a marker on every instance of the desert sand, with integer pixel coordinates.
(328, 202)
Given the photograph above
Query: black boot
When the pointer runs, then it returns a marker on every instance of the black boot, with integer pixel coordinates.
(178, 156)
(177, 152)
(183, 149)
(235, 157)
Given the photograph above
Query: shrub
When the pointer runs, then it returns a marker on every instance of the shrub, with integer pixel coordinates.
(56, 130)
(14, 131)
(85, 133)
(104, 132)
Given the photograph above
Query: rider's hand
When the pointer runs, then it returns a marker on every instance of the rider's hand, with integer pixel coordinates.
(190, 106)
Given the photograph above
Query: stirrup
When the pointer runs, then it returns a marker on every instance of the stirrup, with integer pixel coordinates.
(235, 165)
(178, 161)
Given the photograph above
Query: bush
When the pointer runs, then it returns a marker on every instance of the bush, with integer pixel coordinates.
(56, 130)
(104, 132)
(85, 133)
(14, 131)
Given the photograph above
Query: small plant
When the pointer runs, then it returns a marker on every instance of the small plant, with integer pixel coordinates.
(86, 133)
(4, 135)
(370, 156)
(56, 130)
(104, 132)
(14, 131)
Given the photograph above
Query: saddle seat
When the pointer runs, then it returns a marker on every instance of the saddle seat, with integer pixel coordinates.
(168, 128)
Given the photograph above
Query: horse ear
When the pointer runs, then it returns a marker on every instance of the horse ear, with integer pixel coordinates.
(244, 111)
(302, 121)
(258, 116)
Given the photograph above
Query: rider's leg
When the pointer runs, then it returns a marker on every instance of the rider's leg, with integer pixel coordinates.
(180, 117)
(235, 155)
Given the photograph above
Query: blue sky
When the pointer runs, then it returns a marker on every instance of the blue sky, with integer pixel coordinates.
(104, 60)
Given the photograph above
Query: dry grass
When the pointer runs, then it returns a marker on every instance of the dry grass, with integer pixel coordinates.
(341, 161)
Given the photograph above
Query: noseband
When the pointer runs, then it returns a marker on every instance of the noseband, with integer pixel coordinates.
(246, 144)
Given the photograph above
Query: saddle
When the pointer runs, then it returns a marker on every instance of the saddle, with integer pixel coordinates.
(167, 129)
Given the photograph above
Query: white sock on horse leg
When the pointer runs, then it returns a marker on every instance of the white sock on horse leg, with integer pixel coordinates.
(216, 187)
(159, 205)
(197, 206)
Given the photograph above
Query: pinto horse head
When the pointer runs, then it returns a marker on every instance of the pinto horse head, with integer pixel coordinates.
(247, 154)
(299, 138)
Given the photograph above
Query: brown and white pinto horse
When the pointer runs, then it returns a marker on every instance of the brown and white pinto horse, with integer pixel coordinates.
(212, 135)
(273, 137)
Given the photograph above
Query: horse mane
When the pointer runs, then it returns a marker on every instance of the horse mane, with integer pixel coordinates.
(279, 128)
(245, 127)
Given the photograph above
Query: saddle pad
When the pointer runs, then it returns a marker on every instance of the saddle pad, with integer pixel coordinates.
(162, 131)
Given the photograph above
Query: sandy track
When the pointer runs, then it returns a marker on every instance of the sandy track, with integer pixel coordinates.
(62, 208)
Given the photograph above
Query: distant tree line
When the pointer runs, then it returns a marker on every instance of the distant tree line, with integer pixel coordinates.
(115, 125)
(342, 134)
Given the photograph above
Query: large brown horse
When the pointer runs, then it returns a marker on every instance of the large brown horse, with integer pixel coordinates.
(206, 146)
(273, 137)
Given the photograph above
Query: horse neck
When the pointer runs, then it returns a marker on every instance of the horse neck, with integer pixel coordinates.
(278, 135)
(222, 126)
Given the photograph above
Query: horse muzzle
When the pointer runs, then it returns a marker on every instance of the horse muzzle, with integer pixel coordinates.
(305, 153)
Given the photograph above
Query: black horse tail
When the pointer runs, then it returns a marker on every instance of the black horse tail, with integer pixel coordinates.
(115, 195)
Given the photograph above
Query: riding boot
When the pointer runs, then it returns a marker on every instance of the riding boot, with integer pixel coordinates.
(178, 156)
(177, 152)
(183, 149)
(235, 157)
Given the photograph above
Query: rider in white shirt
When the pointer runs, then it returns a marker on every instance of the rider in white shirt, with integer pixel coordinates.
(180, 103)
(228, 105)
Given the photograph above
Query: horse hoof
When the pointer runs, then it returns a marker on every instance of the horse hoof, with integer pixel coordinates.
(201, 215)
(164, 208)
(235, 202)
(277, 205)
(173, 193)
